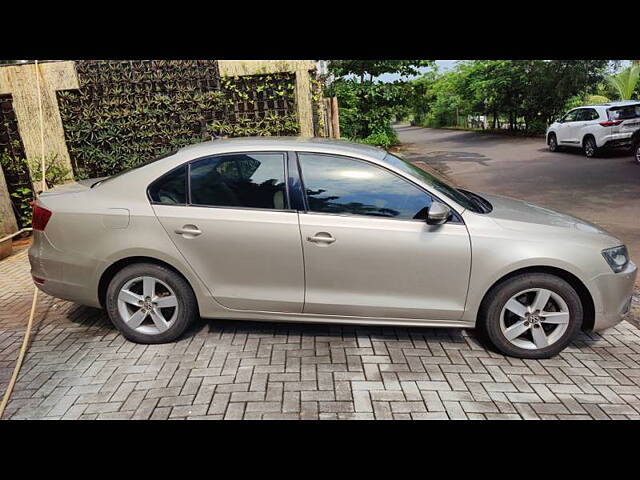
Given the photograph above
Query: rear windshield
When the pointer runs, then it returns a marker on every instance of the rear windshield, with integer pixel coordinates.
(143, 164)
(624, 113)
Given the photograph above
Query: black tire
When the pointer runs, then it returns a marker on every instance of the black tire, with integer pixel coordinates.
(552, 143)
(589, 146)
(636, 152)
(186, 301)
(497, 297)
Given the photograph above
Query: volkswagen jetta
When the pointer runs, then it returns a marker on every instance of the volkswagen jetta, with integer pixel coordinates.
(316, 230)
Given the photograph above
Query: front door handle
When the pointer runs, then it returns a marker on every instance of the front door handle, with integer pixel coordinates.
(188, 231)
(322, 237)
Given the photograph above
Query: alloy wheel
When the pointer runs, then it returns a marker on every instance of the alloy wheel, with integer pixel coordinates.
(147, 305)
(589, 148)
(535, 318)
(638, 153)
(553, 144)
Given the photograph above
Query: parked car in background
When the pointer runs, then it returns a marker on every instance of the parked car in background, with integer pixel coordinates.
(597, 127)
(318, 230)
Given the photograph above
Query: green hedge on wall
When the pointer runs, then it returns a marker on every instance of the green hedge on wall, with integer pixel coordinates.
(128, 112)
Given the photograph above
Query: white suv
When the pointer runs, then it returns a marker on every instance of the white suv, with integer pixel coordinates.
(610, 125)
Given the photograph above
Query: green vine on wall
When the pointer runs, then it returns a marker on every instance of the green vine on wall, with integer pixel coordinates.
(258, 105)
(128, 112)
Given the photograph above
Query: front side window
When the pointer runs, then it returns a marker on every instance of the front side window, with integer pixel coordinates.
(246, 180)
(341, 185)
(571, 116)
(171, 188)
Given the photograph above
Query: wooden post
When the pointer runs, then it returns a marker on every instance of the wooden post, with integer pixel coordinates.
(8, 224)
(22, 83)
(335, 117)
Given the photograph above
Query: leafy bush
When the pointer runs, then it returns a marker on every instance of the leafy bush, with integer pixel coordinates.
(368, 106)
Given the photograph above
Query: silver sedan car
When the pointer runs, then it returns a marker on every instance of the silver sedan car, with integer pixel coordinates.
(317, 230)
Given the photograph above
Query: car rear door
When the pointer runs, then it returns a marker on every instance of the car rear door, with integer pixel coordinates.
(368, 251)
(229, 217)
(585, 119)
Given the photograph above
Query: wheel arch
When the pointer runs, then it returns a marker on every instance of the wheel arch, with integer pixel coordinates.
(589, 135)
(551, 132)
(115, 267)
(580, 288)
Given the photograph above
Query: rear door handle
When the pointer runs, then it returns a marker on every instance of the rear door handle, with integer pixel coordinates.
(321, 237)
(188, 231)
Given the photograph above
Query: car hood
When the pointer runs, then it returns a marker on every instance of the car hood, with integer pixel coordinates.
(524, 216)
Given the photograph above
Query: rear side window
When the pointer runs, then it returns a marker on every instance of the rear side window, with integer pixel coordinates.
(590, 114)
(171, 188)
(246, 180)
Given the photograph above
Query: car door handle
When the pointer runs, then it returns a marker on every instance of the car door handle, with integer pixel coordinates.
(321, 237)
(188, 231)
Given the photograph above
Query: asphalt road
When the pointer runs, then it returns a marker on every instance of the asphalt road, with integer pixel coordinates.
(603, 190)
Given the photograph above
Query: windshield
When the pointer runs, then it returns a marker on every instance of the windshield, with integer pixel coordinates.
(442, 187)
(624, 113)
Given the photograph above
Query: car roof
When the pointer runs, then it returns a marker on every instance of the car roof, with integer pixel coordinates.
(612, 104)
(314, 144)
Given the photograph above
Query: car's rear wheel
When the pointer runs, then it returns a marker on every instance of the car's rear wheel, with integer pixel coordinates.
(590, 147)
(150, 303)
(532, 315)
(553, 142)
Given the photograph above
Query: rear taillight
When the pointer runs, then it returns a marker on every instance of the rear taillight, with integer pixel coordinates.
(40, 218)
(611, 123)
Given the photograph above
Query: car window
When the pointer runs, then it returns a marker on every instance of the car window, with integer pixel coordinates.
(170, 189)
(571, 116)
(624, 113)
(586, 114)
(341, 185)
(247, 180)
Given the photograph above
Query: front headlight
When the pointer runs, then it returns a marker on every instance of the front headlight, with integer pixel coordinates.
(616, 257)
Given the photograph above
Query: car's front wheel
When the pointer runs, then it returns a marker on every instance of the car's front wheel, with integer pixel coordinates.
(636, 152)
(150, 303)
(552, 142)
(531, 315)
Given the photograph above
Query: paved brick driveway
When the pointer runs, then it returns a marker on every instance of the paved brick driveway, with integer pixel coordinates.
(79, 367)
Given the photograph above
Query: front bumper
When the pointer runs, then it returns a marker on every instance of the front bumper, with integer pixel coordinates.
(615, 291)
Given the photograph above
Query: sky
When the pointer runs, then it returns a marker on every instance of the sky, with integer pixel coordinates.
(443, 66)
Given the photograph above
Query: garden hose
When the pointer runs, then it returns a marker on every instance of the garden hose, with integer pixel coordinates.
(27, 334)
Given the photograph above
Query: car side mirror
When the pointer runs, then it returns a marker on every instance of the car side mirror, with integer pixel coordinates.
(438, 213)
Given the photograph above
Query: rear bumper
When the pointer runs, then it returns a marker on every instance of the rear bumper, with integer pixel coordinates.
(63, 275)
(615, 291)
(617, 140)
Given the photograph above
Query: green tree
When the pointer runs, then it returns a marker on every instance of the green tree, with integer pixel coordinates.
(524, 94)
(368, 105)
(626, 81)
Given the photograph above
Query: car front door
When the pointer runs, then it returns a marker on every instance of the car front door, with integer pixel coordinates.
(234, 227)
(567, 134)
(368, 251)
